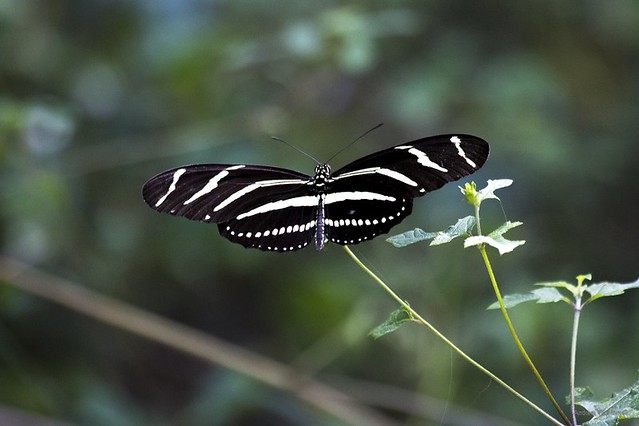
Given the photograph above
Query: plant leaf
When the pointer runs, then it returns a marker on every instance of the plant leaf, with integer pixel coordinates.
(581, 394)
(539, 295)
(511, 300)
(496, 239)
(561, 284)
(463, 226)
(491, 186)
(396, 319)
(410, 237)
(621, 405)
(548, 295)
(606, 289)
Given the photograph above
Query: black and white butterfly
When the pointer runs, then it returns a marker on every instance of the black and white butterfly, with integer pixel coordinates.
(276, 209)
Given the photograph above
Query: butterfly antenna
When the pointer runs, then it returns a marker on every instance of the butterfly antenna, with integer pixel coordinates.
(275, 138)
(356, 139)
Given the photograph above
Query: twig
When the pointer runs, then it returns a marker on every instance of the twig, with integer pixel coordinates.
(187, 340)
(418, 318)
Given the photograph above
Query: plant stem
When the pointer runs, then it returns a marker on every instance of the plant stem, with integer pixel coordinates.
(573, 357)
(484, 255)
(477, 221)
(422, 321)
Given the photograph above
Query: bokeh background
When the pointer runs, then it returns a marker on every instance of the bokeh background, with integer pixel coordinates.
(97, 96)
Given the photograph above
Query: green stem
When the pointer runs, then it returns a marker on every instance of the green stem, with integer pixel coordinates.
(573, 358)
(422, 321)
(484, 255)
(477, 221)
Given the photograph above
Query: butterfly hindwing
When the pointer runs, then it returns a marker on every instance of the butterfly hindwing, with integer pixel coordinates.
(358, 221)
(267, 231)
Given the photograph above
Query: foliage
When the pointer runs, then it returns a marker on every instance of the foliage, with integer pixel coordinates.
(622, 405)
(549, 292)
(394, 321)
(463, 227)
(619, 406)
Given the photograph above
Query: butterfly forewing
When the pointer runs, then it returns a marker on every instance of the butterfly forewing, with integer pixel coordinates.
(378, 189)
(277, 209)
(220, 192)
(422, 165)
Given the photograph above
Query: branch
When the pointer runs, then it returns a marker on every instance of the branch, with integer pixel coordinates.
(187, 340)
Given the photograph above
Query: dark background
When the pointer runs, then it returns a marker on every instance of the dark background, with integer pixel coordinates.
(97, 96)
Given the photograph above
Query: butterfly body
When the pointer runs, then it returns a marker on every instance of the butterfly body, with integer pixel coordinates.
(277, 209)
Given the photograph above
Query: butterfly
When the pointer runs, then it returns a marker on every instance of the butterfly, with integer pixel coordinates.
(276, 209)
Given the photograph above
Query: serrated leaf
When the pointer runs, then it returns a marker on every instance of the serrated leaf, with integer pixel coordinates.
(538, 295)
(395, 320)
(496, 239)
(491, 186)
(621, 405)
(463, 226)
(606, 289)
(410, 237)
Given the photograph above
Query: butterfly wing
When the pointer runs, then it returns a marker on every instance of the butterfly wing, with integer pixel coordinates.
(277, 209)
(371, 195)
(249, 203)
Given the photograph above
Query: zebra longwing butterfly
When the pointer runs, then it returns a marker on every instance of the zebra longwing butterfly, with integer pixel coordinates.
(275, 209)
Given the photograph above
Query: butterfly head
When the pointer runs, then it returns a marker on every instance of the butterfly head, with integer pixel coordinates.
(322, 175)
(322, 171)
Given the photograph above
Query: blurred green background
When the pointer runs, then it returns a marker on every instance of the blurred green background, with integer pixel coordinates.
(97, 96)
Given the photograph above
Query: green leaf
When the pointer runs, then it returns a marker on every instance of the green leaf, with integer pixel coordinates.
(491, 186)
(606, 289)
(513, 300)
(561, 284)
(539, 295)
(410, 237)
(462, 227)
(395, 320)
(581, 394)
(576, 290)
(548, 295)
(496, 239)
(549, 292)
(621, 405)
